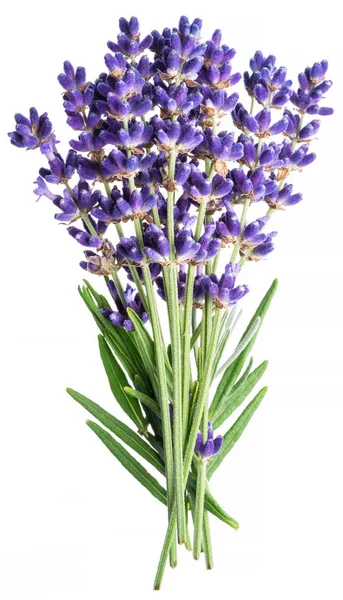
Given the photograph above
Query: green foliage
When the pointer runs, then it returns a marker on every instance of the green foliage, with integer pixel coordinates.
(235, 432)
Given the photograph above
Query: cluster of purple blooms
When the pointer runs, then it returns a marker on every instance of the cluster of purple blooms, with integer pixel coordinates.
(163, 96)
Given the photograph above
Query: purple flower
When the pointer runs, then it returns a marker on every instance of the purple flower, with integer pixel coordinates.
(184, 138)
(116, 64)
(228, 226)
(260, 124)
(252, 233)
(134, 138)
(262, 250)
(176, 100)
(31, 132)
(208, 245)
(252, 184)
(156, 245)
(283, 197)
(77, 101)
(60, 171)
(128, 250)
(223, 291)
(72, 80)
(186, 247)
(267, 83)
(128, 41)
(216, 103)
(312, 87)
(211, 446)
(83, 237)
(132, 300)
(219, 147)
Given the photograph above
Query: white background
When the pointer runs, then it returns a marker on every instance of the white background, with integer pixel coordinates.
(73, 523)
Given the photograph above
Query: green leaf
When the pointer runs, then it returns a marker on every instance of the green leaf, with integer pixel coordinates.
(242, 345)
(111, 334)
(122, 342)
(149, 402)
(233, 370)
(229, 402)
(137, 444)
(144, 340)
(99, 298)
(227, 381)
(195, 335)
(213, 507)
(118, 381)
(219, 352)
(211, 504)
(235, 432)
(130, 463)
(243, 377)
(122, 431)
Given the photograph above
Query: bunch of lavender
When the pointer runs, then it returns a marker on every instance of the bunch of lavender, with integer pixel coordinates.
(146, 154)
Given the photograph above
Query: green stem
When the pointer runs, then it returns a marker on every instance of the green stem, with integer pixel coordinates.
(186, 346)
(236, 247)
(186, 349)
(165, 549)
(172, 297)
(199, 509)
(203, 390)
(207, 544)
(118, 284)
(189, 450)
(174, 325)
(160, 354)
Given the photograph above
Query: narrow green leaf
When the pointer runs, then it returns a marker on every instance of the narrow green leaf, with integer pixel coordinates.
(118, 381)
(233, 370)
(149, 402)
(110, 332)
(99, 298)
(243, 377)
(263, 306)
(122, 431)
(242, 345)
(146, 344)
(195, 335)
(130, 463)
(219, 352)
(229, 402)
(213, 507)
(135, 442)
(211, 504)
(235, 432)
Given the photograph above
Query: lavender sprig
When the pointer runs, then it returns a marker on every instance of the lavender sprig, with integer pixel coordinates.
(157, 197)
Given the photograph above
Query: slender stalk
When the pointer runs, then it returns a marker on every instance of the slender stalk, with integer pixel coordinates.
(165, 549)
(171, 275)
(162, 378)
(118, 284)
(237, 244)
(207, 544)
(199, 508)
(189, 451)
(188, 542)
(132, 269)
(186, 346)
(203, 390)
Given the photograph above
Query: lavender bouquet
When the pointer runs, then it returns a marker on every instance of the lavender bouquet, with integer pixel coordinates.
(157, 196)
